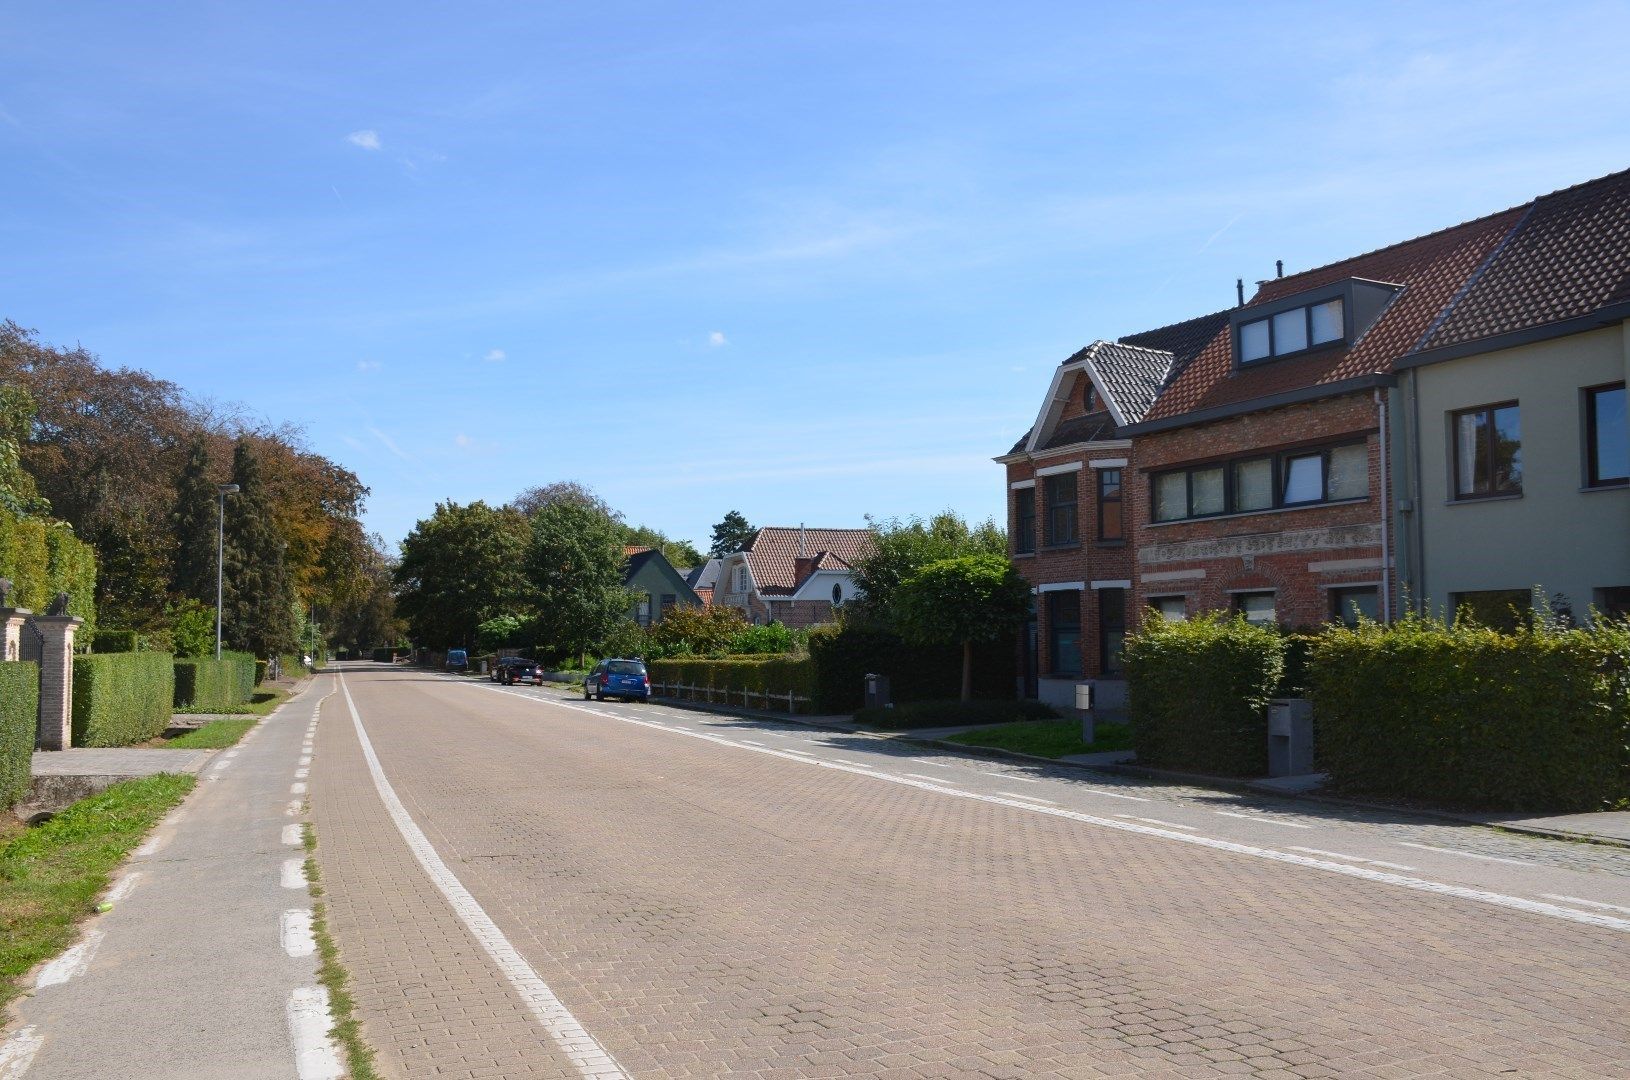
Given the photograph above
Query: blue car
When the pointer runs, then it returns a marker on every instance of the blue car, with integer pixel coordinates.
(617, 678)
(457, 660)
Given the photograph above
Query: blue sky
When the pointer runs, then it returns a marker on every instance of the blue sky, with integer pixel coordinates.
(810, 262)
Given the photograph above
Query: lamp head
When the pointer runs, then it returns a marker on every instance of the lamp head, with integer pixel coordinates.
(227, 489)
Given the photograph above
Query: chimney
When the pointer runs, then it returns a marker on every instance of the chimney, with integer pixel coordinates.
(1239, 290)
(802, 568)
(800, 539)
(1279, 267)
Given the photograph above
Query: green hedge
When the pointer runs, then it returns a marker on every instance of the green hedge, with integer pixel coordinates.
(19, 721)
(122, 698)
(43, 558)
(114, 641)
(956, 713)
(1469, 716)
(744, 680)
(1199, 692)
(845, 655)
(210, 685)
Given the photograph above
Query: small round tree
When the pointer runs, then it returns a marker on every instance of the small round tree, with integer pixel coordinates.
(960, 601)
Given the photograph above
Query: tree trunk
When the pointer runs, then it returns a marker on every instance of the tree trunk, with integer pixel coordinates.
(967, 671)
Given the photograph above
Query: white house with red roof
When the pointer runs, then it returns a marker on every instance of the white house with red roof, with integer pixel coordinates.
(794, 576)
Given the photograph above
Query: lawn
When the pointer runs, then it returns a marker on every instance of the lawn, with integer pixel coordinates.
(1049, 738)
(212, 736)
(51, 874)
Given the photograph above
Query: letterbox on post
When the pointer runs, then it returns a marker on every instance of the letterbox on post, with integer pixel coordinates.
(877, 691)
(1290, 737)
(1083, 707)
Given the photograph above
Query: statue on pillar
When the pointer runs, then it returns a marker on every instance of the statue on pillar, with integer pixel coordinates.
(59, 604)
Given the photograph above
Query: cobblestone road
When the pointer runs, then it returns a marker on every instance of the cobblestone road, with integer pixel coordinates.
(711, 904)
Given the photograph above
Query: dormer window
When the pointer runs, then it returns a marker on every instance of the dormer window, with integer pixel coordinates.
(1330, 316)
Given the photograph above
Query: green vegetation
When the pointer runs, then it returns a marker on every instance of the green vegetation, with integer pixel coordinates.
(927, 714)
(726, 680)
(210, 686)
(42, 558)
(731, 535)
(347, 1029)
(460, 567)
(1199, 692)
(844, 655)
(902, 548)
(1534, 719)
(19, 717)
(51, 874)
(575, 568)
(122, 698)
(960, 601)
(1049, 738)
(212, 736)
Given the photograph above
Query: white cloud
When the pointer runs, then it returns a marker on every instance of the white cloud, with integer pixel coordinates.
(716, 339)
(367, 138)
(390, 444)
(462, 439)
(496, 356)
(369, 365)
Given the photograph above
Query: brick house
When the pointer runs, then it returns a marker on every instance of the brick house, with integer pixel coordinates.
(795, 576)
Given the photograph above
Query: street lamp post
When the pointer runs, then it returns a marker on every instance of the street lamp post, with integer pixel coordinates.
(221, 492)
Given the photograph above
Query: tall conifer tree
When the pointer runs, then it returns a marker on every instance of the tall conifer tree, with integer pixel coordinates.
(258, 606)
(195, 527)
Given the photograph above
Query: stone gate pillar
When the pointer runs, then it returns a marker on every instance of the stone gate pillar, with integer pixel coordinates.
(56, 680)
(11, 622)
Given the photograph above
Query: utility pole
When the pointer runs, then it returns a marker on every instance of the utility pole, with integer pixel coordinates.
(221, 492)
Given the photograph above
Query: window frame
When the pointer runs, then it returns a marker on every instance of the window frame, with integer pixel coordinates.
(1053, 669)
(1277, 460)
(1074, 487)
(1024, 536)
(1153, 604)
(1118, 499)
(1592, 480)
(1270, 312)
(1111, 630)
(1235, 606)
(1337, 595)
(1488, 411)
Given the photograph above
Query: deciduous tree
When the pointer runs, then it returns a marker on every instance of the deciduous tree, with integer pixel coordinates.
(904, 547)
(460, 567)
(960, 601)
(575, 566)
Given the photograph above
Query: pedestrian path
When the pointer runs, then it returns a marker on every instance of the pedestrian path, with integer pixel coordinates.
(205, 966)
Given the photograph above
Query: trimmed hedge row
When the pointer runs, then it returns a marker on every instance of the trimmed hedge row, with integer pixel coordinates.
(122, 698)
(1198, 693)
(1465, 715)
(211, 685)
(752, 676)
(43, 558)
(19, 719)
(844, 656)
(112, 641)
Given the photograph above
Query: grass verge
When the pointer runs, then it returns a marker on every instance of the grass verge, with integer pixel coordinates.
(347, 1029)
(212, 736)
(263, 702)
(51, 874)
(1049, 738)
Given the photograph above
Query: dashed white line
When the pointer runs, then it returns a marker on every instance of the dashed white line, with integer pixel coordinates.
(1009, 776)
(122, 887)
(1158, 821)
(294, 874)
(292, 835)
(294, 931)
(582, 1049)
(309, 1024)
(1027, 798)
(152, 844)
(1464, 854)
(1354, 858)
(71, 963)
(17, 1052)
(1263, 818)
(920, 776)
(295, 806)
(750, 742)
(305, 759)
(1587, 903)
(297, 789)
(1114, 794)
(301, 774)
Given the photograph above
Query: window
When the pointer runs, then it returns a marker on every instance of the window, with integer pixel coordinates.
(1498, 609)
(1304, 477)
(741, 578)
(1296, 330)
(1024, 521)
(1110, 524)
(837, 594)
(1607, 443)
(666, 604)
(1061, 509)
(1170, 608)
(1614, 601)
(1064, 632)
(1257, 607)
(642, 613)
(1111, 629)
(1347, 604)
(1488, 452)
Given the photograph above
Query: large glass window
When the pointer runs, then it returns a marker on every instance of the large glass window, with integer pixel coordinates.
(1061, 507)
(1488, 451)
(1298, 478)
(1170, 608)
(1326, 321)
(1348, 604)
(1110, 523)
(1024, 521)
(1293, 331)
(1290, 331)
(1253, 340)
(1111, 629)
(1171, 496)
(1347, 473)
(1064, 632)
(1257, 607)
(1253, 484)
(1607, 442)
(1207, 494)
(1304, 479)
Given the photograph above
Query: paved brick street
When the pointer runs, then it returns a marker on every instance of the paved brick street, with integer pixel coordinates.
(713, 902)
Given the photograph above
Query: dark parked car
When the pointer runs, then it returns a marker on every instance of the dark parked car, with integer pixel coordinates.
(617, 678)
(457, 660)
(518, 670)
(496, 671)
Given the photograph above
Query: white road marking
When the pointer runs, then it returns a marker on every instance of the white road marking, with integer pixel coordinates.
(1263, 818)
(1587, 903)
(295, 806)
(1354, 858)
(292, 835)
(152, 844)
(294, 874)
(1009, 776)
(71, 963)
(1437, 888)
(1464, 854)
(1115, 794)
(935, 764)
(17, 1053)
(309, 1024)
(584, 1051)
(930, 779)
(122, 887)
(750, 742)
(305, 759)
(800, 753)
(294, 930)
(1158, 821)
(1027, 798)
(297, 789)
(301, 774)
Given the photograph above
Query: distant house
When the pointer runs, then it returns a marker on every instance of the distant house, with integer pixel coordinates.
(703, 579)
(794, 576)
(659, 587)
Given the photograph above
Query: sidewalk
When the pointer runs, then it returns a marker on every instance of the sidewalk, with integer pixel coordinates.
(205, 967)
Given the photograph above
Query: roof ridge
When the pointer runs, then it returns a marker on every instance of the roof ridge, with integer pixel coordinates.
(1475, 276)
(1140, 348)
(1172, 326)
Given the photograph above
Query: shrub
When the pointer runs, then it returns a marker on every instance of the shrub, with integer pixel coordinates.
(192, 629)
(767, 638)
(697, 630)
(260, 671)
(1466, 715)
(925, 714)
(208, 685)
(502, 632)
(845, 655)
(122, 698)
(739, 679)
(1199, 692)
(43, 558)
(19, 720)
(114, 641)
